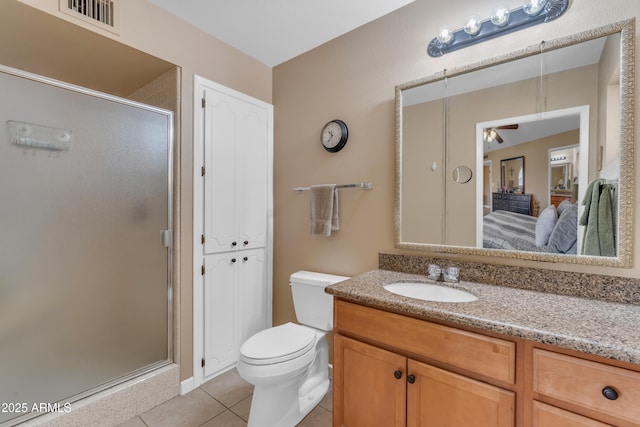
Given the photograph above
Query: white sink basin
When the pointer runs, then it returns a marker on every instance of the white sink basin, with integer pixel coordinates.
(429, 292)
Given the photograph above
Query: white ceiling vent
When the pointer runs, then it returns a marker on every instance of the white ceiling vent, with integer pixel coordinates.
(102, 13)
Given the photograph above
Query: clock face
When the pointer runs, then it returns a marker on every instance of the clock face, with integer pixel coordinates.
(334, 135)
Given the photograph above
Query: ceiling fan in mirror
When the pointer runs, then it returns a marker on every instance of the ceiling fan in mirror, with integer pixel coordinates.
(491, 134)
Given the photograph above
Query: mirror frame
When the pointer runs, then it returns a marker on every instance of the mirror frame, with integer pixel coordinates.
(624, 259)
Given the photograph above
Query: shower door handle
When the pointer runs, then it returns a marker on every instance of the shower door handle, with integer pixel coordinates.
(166, 236)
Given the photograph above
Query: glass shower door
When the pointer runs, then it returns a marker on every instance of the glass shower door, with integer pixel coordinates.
(85, 193)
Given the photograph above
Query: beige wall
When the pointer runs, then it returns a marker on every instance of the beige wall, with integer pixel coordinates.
(353, 78)
(150, 29)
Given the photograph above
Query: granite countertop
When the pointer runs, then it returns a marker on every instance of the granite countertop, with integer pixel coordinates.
(607, 329)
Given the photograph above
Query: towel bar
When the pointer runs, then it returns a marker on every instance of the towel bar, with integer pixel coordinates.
(364, 185)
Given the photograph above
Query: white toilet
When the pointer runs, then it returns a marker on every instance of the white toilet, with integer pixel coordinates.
(289, 364)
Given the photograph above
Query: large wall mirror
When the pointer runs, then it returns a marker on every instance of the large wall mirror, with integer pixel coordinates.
(566, 107)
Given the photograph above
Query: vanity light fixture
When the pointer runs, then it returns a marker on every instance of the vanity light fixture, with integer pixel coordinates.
(501, 22)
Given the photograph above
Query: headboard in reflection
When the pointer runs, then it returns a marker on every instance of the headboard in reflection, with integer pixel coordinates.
(573, 96)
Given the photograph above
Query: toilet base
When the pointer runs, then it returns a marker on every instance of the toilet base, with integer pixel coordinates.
(285, 403)
(271, 406)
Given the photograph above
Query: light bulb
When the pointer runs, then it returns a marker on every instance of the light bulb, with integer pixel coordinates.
(445, 35)
(500, 17)
(473, 25)
(533, 7)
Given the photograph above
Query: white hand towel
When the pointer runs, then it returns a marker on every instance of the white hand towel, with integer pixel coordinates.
(324, 210)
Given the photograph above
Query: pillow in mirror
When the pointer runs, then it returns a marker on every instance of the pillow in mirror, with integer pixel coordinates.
(546, 223)
(564, 237)
(562, 206)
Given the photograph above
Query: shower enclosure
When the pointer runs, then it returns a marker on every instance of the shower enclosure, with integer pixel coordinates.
(85, 243)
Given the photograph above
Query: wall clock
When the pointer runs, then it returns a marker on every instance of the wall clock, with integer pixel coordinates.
(334, 136)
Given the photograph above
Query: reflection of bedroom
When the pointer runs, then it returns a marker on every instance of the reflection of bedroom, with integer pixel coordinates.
(529, 211)
(537, 164)
(514, 221)
(576, 93)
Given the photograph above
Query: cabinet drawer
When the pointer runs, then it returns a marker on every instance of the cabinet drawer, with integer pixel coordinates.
(549, 416)
(486, 356)
(581, 382)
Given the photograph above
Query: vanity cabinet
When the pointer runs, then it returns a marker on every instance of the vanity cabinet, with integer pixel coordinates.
(556, 199)
(392, 369)
(395, 370)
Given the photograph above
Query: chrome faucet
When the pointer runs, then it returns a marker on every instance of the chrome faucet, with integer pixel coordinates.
(449, 274)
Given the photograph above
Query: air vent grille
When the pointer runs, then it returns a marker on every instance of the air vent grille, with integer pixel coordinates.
(102, 11)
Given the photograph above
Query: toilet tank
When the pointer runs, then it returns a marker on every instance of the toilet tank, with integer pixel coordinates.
(313, 306)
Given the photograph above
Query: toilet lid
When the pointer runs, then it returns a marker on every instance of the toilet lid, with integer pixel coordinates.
(278, 344)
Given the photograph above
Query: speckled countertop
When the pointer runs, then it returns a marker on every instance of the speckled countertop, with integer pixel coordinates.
(602, 328)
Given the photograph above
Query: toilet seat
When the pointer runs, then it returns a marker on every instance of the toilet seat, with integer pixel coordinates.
(278, 344)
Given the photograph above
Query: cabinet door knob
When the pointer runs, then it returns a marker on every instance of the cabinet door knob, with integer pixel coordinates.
(411, 379)
(234, 243)
(246, 242)
(398, 374)
(245, 259)
(610, 393)
(233, 260)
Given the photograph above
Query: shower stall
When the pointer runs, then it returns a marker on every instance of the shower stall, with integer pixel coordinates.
(85, 243)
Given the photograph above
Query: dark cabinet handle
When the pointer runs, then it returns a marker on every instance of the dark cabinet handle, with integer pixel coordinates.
(245, 259)
(233, 260)
(411, 379)
(610, 393)
(398, 374)
(234, 243)
(246, 242)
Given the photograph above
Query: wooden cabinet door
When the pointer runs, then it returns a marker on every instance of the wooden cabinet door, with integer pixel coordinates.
(439, 398)
(367, 391)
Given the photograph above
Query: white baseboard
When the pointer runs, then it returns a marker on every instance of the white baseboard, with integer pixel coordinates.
(187, 385)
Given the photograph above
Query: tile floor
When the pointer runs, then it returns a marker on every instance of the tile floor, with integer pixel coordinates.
(222, 402)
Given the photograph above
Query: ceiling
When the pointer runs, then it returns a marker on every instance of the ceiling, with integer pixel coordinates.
(275, 31)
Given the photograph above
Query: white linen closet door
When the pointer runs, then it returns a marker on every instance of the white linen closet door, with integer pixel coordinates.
(233, 144)
(236, 167)
(252, 286)
(252, 206)
(221, 315)
(221, 138)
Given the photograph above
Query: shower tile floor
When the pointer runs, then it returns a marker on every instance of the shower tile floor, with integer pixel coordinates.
(222, 402)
